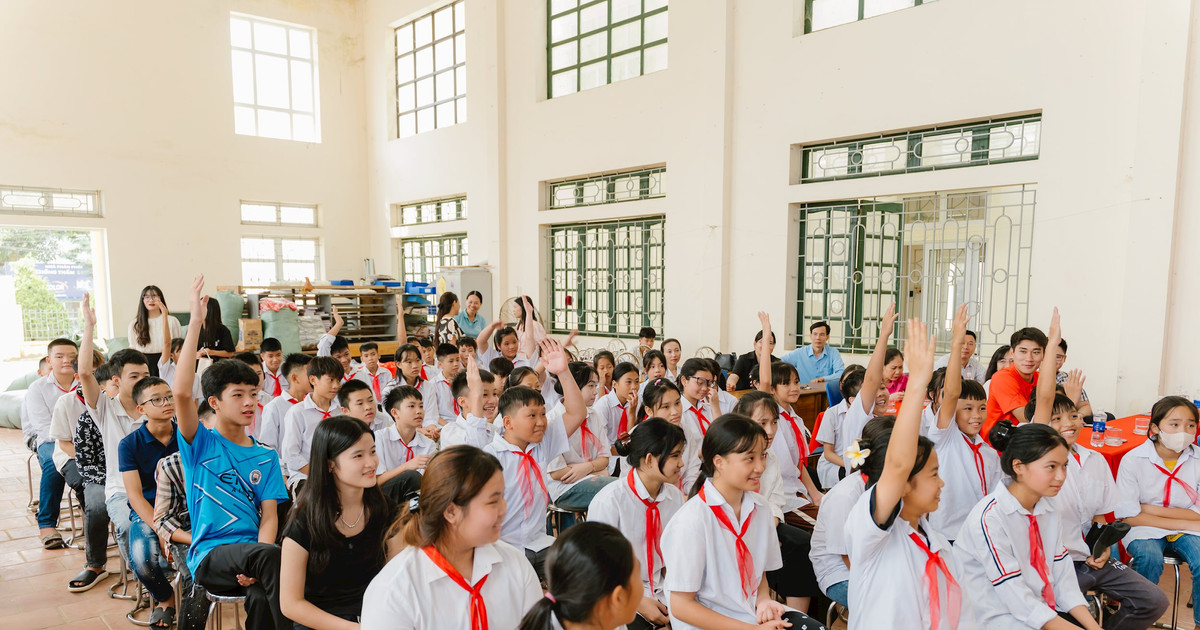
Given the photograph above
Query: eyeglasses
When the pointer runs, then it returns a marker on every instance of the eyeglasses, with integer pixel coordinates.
(703, 382)
(161, 401)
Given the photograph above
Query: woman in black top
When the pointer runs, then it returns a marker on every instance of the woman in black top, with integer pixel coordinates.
(215, 339)
(334, 543)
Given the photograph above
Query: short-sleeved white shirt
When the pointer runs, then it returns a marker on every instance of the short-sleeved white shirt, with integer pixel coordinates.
(528, 531)
(1139, 481)
(271, 427)
(63, 422)
(1088, 490)
(38, 406)
(959, 470)
(382, 378)
(616, 505)
(114, 424)
(828, 544)
(389, 446)
(413, 593)
(301, 422)
(576, 454)
(702, 554)
(608, 407)
(830, 432)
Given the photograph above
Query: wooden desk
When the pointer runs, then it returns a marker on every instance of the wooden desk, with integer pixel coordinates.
(811, 403)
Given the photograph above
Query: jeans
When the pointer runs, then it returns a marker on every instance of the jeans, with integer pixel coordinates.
(578, 497)
(147, 560)
(840, 593)
(193, 610)
(95, 525)
(118, 514)
(1142, 603)
(1148, 560)
(51, 490)
(218, 573)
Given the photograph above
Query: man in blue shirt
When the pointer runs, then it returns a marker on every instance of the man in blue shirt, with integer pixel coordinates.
(233, 483)
(817, 363)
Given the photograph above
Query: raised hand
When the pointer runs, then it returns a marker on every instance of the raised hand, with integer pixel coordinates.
(554, 357)
(1055, 333)
(197, 300)
(961, 319)
(887, 323)
(337, 318)
(89, 313)
(1074, 385)
(764, 318)
(473, 379)
(920, 347)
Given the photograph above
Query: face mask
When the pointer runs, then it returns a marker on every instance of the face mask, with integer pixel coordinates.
(1176, 441)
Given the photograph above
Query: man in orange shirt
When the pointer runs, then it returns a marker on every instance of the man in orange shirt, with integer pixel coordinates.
(1011, 387)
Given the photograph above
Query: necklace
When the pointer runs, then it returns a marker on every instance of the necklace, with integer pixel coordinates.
(356, 521)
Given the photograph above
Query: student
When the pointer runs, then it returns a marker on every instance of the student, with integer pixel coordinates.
(402, 451)
(448, 330)
(43, 368)
(232, 537)
(449, 365)
(641, 503)
(469, 319)
(971, 369)
(1020, 571)
(720, 543)
(170, 360)
(36, 413)
(720, 399)
(829, 554)
(527, 447)
(528, 326)
(295, 374)
(333, 544)
(672, 351)
(138, 455)
(591, 581)
(662, 399)
(299, 423)
(274, 380)
(695, 381)
(357, 401)
(795, 580)
(619, 405)
(505, 344)
(578, 474)
(859, 411)
(262, 398)
(646, 337)
(1014, 384)
(215, 339)
(745, 369)
(968, 466)
(428, 358)
(1082, 405)
(89, 457)
(63, 424)
(452, 570)
(605, 363)
(898, 562)
(501, 368)
(408, 372)
(654, 365)
(469, 428)
(783, 382)
(151, 326)
(894, 378)
(466, 345)
(1157, 482)
(831, 435)
(377, 377)
(523, 376)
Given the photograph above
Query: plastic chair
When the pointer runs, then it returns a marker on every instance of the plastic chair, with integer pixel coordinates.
(214, 609)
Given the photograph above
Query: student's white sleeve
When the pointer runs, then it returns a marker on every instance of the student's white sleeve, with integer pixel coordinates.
(1102, 487)
(603, 509)
(772, 492)
(60, 421)
(325, 344)
(555, 441)
(991, 550)
(429, 397)
(1066, 585)
(827, 432)
(1129, 492)
(268, 427)
(774, 559)
(681, 541)
(292, 450)
(691, 466)
(862, 536)
(838, 510)
(942, 438)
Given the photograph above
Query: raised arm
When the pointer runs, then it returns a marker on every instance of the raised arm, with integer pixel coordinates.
(873, 379)
(902, 446)
(474, 404)
(764, 354)
(87, 378)
(529, 338)
(337, 321)
(166, 324)
(952, 386)
(185, 372)
(481, 342)
(556, 362)
(1047, 386)
(401, 328)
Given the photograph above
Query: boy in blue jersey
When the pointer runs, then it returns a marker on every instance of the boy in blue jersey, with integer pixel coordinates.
(233, 483)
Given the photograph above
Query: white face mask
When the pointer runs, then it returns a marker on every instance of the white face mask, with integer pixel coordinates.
(1176, 441)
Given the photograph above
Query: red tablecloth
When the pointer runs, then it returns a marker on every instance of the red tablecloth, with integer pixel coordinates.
(1113, 454)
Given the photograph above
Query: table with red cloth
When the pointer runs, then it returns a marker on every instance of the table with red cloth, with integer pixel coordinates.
(1113, 454)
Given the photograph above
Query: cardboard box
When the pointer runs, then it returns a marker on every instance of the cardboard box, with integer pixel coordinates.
(250, 335)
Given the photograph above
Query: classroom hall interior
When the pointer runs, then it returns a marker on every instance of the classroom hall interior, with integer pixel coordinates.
(624, 163)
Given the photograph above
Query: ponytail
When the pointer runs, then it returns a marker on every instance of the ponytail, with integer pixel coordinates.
(453, 476)
(1025, 443)
(584, 566)
(731, 433)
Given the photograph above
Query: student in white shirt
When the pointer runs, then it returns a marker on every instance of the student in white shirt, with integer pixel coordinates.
(591, 581)
(721, 399)
(408, 372)
(722, 542)
(829, 554)
(506, 344)
(1158, 484)
(169, 360)
(795, 580)
(325, 378)
(577, 475)
(641, 503)
(261, 397)
(36, 412)
(891, 547)
(672, 351)
(523, 376)
(1020, 573)
(274, 378)
(695, 381)
(662, 399)
(402, 449)
(829, 433)
(357, 401)
(468, 428)
(970, 368)
(452, 571)
(377, 377)
(449, 365)
(331, 344)
(654, 366)
(870, 400)
(782, 381)
(295, 374)
(527, 447)
(619, 405)
(605, 363)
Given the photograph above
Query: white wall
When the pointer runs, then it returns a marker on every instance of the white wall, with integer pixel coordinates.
(134, 99)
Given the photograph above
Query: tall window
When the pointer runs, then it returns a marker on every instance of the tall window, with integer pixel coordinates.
(275, 92)
(431, 71)
(820, 14)
(596, 42)
(268, 259)
(607, 277)
(927, 253)
(421, 258)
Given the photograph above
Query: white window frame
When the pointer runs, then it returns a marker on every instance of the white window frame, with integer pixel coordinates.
(248, 112)
(447, 97)
(55, 202)
(279, 260)
(279, 209)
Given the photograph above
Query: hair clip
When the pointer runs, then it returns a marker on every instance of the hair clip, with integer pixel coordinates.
(414, 502)
(551, 598)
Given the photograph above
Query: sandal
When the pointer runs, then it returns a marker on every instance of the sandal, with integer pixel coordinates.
(53, 541)
(162, 617)
(86, 579)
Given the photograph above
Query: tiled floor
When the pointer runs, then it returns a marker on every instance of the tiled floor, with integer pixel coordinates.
(33, 581)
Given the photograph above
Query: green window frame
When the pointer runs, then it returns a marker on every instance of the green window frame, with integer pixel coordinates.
(590, 43)
(431, 70)
(633, 185)
(838, 12)
(993, 141)
(419, 258)
(431, 211)
(607, 277)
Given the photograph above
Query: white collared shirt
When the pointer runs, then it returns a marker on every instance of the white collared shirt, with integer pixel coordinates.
(413, 593)
(771, 487)
(1139, 481)
(608, 407)
(470, 430)
(971, 370)
(703, 556)
(389, 446)
(37, 407)
(855, 418)
(271, 378)
(300, 423)
(616, 505)
(791, 457)
(576, 454)
(694, 436)
(1088, 490)
(64, 421)
(519, 529)
(957, 468)
(385, 377)
(830, 432)
(445, 399)
(997, 571)
(114, 424)
(271, 427)
(887, 571)
(429, 398)
(828, 544)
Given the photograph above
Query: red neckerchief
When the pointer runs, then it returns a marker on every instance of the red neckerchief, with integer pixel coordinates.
(479, 620)
(588, 442)
(801, 443)
(653, 529)
(701, 420)
(933, 564)
(528, 470)
(623, 425)
(1037, 558)
(408, 454)
(979, 468)
(744, 560)
(452, 398)
(1191, 492)
(74, 386)
(278, 385)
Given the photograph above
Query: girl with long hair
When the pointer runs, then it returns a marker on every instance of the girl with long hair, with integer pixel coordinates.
(448, 330)
(152, 330)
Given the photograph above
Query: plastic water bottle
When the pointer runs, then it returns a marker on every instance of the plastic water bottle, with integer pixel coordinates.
(1099, 425)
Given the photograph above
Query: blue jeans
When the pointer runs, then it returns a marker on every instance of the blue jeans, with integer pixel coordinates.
(51, 490)
(840, 593)
(1148, 560)
(118, 515)
(579, 497)
(147, 559)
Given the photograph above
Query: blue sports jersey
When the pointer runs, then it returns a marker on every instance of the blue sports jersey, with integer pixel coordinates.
(226, 484)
